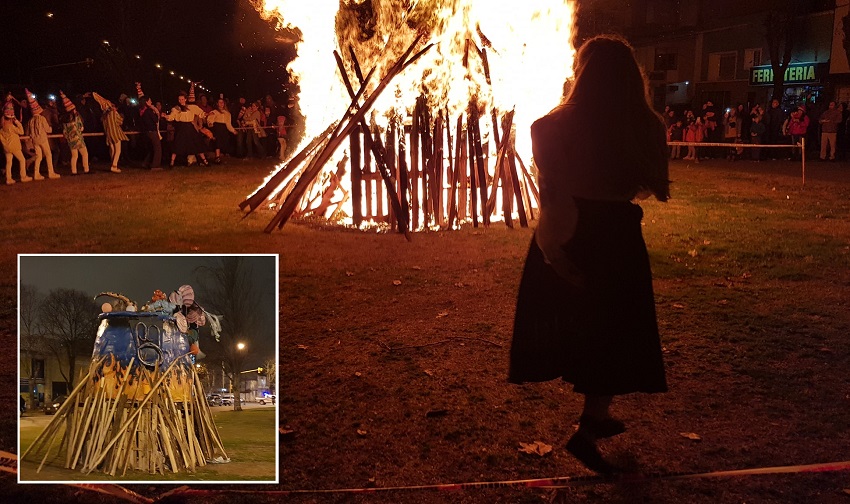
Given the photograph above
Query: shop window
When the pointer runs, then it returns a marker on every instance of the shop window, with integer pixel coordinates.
(722, 66)
(38, 368)
(665, 61)
(752, 58)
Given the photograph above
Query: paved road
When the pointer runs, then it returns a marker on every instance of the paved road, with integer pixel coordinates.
(39, 419)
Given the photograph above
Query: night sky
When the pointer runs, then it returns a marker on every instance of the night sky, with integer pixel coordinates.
(223, 43)
(138, 276)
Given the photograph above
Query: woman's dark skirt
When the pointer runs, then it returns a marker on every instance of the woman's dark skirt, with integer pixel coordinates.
(222, 137)
(602, 336)
(187, 140)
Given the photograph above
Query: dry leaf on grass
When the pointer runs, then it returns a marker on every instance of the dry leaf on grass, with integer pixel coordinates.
(302, 347)
(349, 273)
(417, 268)
(678, 305)
(361, 432)
(286, 433)
(693, 253)
(459, 284)
(536, 448)
(396, 282)
(690, 435)
(358, 374)
(847, 491)
(429, 372)
(442, 314)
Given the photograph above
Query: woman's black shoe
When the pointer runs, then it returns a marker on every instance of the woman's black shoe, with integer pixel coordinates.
(604, 428)
(584, 449)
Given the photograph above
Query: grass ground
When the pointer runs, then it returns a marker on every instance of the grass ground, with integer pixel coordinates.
(248, 436)
(752, 282)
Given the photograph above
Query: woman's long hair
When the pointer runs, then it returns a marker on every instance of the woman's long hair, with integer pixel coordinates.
(608, 104)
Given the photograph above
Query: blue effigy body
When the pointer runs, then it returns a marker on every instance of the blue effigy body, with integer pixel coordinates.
(150, 337)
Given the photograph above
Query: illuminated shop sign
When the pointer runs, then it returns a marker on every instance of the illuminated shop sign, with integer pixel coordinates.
(796, 73)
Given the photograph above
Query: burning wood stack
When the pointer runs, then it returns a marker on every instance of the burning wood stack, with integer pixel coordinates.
(433, 162)
(140, 407)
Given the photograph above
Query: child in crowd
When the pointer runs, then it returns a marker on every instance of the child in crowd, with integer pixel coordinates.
(38, 128)
(695, 132)
(757, 131)
(10, 137)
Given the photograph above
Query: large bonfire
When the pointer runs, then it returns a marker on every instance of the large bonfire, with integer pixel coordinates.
(426, 103)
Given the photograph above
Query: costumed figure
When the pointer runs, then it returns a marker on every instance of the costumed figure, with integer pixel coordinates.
(72, 128)
(38, 128)
(150, 116)
(112, 122)
(10, 137)
(220, 121)
(187, 140)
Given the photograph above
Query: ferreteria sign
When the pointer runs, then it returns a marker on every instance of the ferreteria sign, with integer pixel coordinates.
(796, 73)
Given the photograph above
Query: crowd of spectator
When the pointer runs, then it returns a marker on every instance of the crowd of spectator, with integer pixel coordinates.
(137, 130)
(825, 129)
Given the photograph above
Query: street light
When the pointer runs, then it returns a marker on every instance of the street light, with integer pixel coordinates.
(240, 346)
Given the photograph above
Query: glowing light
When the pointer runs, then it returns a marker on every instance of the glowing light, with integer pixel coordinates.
(138, 57)
(158, 66)
(49, 15)
(240, 346)
(105, 42)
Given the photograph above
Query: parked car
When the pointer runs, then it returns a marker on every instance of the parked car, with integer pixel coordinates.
(267, 399)
(53, 406)
(227, 399)
(214, 399)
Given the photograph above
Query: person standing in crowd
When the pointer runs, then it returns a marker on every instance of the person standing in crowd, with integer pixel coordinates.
(773, 119)
(830, 120)
(757, 132)
(237, 113)
(149, 125)
(112, 131)
(187, 140)
(38, 128)
(744, 122)
(204, 104)
(797, 128)
(10, 138)
(731, 132)
(841, 137)
(694, 133)
(253, 120)
(282, 136)
(221, 123)
(51, 113)
(585, 310)
(72, 128)
(676, 133)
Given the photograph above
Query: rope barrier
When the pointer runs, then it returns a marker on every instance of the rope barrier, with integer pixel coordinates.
(801, 146)
(129, 132)
(9, 463)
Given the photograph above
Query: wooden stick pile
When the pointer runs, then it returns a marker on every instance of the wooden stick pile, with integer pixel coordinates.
(445, 179)
(139, 419)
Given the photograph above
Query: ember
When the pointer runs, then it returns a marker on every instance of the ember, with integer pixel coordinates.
(446, 144)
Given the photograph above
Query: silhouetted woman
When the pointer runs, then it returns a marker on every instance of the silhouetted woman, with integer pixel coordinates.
(585, 311)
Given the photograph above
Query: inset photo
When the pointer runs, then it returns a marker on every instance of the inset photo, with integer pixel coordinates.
(145, 368)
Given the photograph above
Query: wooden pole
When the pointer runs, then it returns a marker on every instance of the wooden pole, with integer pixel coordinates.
(356, 178)
(414, 164)
(473, 191)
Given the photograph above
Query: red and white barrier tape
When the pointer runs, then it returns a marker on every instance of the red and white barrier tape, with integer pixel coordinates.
(9, 463)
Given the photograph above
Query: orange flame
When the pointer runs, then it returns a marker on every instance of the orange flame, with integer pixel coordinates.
(528, 46)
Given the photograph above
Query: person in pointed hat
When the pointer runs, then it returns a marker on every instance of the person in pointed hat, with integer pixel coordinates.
(72, 128)
(10, 137)
(112, 122)
(149, 124)
(187, 139)
(38, 128)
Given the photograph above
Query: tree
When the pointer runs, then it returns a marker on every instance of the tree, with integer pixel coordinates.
(270, 368)
(69, 319)
(229, 291)
(780, 33)
(31, 336)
